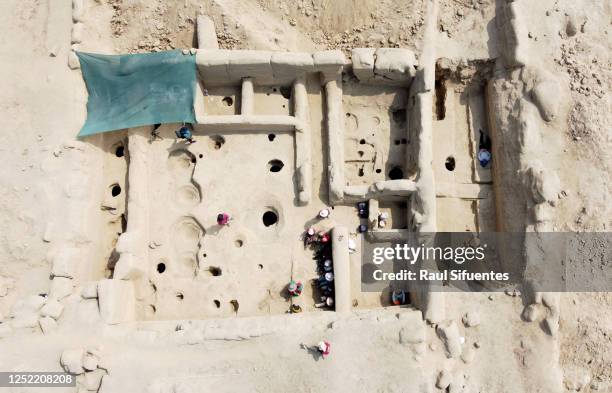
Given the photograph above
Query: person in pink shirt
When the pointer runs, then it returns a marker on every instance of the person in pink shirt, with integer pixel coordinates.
(223, 219)
(324, 348)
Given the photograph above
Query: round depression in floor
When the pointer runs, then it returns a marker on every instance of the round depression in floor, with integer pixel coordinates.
(216, 141)
(188, 195)
(215, 271)
(275, 165)
(396, 173)
(269, 218)
(450, 163)
(115, 190)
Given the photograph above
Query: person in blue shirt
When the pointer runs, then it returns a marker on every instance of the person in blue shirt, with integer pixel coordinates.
(398, 297)
(484, 150)
(185, 133)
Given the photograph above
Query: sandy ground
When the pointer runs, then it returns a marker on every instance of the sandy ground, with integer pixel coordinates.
(45, 174)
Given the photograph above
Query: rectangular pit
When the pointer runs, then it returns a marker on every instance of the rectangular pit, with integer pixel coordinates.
(375, 143)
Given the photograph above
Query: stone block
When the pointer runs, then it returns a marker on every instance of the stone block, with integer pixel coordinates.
(468, 355)
(291, 64)
(546, 97)
(545, 185)
(250, 63)
(5, 330)
(52, 309)
(93, 379)
(128, 242)
(207, 36)
(117, 302)
(72, 360)
(213, 64)
(90, 291)
(449, 334)
(73, 61)
(90, 362)
(471, 319)
(129, 267)
(444, 379)
(551, 325)
(47, 325)
(32, 302)
(25, 320)
(413, 328)
(363, 63)
(78, 11)
(61, 287)
(395, 64)
(65, 262)
(329, 62)
(531, 313)
(77, 33)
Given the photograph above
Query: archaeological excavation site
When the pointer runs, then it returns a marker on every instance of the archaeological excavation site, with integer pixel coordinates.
(311, 195)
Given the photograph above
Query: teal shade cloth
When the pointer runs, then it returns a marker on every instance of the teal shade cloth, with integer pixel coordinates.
(137, 90)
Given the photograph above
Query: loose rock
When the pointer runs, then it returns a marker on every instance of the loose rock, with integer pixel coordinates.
(25, 320)
(468, 354)
(531, 313)
(444, 379)
(93, 379)
(77, 33)
(449, 334)
(52, 309)
(47, 325)
(5, 329)
(73, 61)
(78, 11)
(546, 97)
(116, 300)
(551, 325)
(90, 362)
(72, 361)
(90, 291)
(61, 287)
(65, 262)
(471, 319)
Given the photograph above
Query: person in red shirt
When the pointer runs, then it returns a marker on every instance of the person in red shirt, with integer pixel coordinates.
(295, 288)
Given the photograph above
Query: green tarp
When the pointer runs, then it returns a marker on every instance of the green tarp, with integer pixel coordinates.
(137, 90)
